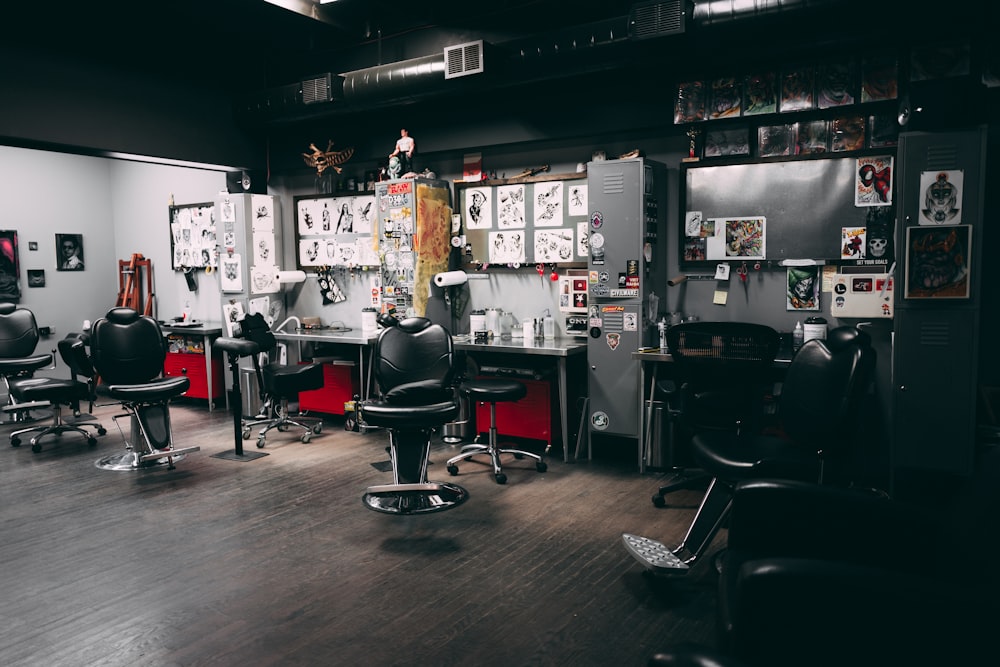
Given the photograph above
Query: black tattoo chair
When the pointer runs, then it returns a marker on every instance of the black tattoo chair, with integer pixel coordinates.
(817, 422)
(19, 359)
(128, 350)
(414, 371)
(69, 392)
(721, 371)
(279, 384)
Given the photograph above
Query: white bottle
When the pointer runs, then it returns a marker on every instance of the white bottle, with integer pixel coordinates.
(549, 327)
(798, 334)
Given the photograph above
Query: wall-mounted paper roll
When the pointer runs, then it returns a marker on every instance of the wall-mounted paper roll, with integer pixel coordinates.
(450, 278)
(284, 277)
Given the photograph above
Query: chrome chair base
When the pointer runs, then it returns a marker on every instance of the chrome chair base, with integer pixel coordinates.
(137, 461)
(414, 498)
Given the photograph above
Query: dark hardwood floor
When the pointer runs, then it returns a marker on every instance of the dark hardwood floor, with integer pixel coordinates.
(277, 562)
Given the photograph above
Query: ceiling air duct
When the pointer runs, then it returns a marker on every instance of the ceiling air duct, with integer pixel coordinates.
(317, 89)
(658, 19)
(463, 59)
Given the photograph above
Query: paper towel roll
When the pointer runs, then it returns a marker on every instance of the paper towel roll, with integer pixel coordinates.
(291, 276)
(449, 278)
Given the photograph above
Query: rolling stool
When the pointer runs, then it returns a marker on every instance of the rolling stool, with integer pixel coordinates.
(493, 391)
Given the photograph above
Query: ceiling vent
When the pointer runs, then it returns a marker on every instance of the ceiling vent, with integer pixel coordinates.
(657, 19)
(463, 59)
(317, 89)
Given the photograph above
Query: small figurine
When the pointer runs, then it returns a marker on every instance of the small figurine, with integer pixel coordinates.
(395, 169)
(405, 147)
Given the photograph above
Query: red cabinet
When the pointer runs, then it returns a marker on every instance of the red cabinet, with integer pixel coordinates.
(192, 364)
(340, 384)
(531, 417)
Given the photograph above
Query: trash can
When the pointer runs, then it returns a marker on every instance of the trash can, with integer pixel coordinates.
(660, 447)
(250, 392)
(460, 429)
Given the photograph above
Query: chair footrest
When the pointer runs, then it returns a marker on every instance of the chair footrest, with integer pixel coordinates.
(654, 555)
(163, 453)
(31, 405)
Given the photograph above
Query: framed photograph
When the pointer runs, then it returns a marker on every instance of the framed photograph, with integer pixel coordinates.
(798, 89)
(879, 78)
(690, 104)
(69, 252)
(760, 93)
(812, 137)
(835, 84)
(727, 97)
(937, 262)
(847, 134)
(883, 130)
(720, 143)
(775, 140)
(36, 277)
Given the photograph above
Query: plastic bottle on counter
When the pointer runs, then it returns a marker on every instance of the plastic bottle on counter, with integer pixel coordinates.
(798, 334)
(549, 326)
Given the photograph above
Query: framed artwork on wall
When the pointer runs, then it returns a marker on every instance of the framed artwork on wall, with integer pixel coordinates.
(937, 262)
(10, 270)
(69, 252)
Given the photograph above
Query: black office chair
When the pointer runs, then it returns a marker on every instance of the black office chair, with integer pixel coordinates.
(278, 384)
(722, 372)
(128, 350)
(414, 371)
(69, 392)
(818, 416)
(18, 358)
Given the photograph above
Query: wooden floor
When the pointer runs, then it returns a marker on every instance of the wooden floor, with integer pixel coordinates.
(276, 561)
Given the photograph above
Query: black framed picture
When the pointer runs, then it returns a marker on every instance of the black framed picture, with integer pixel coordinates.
(36, 277)
(69, 252)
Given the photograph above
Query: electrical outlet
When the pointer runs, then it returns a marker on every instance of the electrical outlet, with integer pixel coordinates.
(46, 331)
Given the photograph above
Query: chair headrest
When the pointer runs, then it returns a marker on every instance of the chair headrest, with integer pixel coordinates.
(841, 337)
(122, 315)
(414, 324)
(7, 308)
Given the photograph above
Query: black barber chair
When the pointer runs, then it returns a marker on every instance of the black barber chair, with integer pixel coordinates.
(414, 371)
(18, 359)
(69, 392)
(128, 350)
(830, 576)
(818, 419)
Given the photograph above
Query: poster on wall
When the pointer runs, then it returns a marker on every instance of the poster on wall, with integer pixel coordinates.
(70, 252)
(803, 288)
(10, 290)
(873, 181)
(937, 262)
(941, 193)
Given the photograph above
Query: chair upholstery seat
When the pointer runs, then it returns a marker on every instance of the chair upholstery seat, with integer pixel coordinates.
(282, 380)
(395, 415)
(52, 389)
(150, 392)
(494, 390)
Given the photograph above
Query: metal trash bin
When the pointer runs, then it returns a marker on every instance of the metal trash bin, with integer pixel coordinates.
(250, 392)
(460, 429)
(659, 450)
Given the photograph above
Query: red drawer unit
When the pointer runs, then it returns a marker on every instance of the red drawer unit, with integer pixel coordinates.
(193, 366)
(339, 386)
(531, 417)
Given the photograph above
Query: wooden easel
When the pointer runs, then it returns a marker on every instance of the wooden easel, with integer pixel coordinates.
(129, 282)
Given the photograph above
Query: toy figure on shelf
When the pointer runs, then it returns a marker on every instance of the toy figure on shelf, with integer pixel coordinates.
(405, 147)
(395, 169)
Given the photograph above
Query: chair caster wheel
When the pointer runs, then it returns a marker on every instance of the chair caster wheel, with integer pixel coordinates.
(92, 442)
(102, 431)
(541, 466)
(659, 501)
(246, 434)
(453, 469)
(36, 448)
(317, 429)
(306, 437)
(15, 441)
(260, 443)
(501, 478)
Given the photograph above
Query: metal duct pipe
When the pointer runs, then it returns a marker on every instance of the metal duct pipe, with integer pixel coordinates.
(409, 78)
(722, 12)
